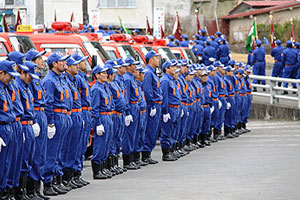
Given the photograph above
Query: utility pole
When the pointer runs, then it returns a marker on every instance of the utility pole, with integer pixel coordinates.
(85, 15)
(39, 9)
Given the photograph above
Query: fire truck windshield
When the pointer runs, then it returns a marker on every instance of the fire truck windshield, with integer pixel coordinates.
(21, 43)
(188, 53)
(126, 51)
(92, 52)
(166, 53)
(145, 50)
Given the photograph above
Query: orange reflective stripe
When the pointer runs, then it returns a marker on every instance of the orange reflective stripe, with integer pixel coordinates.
(86, 92)
(230, 87)
(39, 95)
(214, 88)
(123, 92)
(5, 106)
(27, 104)
(136, 92)
(67, 93)
(250, 85)
(209, 93)
(79, 90)
(106, 102)
(242, 83)
(75, 96)
(197, 90)
(174, 92)
(118, 94)
(190, 94)
(194, 92)
(236, 82)
(222, 85)
(61, 96)
(144, 96)
(13, 96)
(201, 90)
(157, 83)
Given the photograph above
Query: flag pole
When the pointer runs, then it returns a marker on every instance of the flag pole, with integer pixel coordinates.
(255, 28)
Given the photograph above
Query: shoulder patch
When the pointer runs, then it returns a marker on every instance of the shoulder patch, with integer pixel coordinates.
(37, 83)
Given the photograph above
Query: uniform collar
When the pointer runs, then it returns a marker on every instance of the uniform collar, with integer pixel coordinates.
(130, 74)
(80, 73)
(150, 68)
(22, 83)
(2, 85)
(70, 77)
(169, 76)
(55, 74)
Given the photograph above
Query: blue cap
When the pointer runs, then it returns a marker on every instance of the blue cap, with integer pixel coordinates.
(98, 69)
(177, 42)
(110, 27)
(33, 53)
(31, 69)
(231, 62)
(150, 54)
(207, 42)
(110, 70)
(136, 31)
(203, 31)
(228, 69)
(174, 62)
(212, 37)
(56, 56)
(166, 65)
(197, 67)
(218, 33)
(177, 70)
(141, 69)
(197, 36)
(72, 61)
(113, 63)
(296, 44)
(211, 68)
(100, 26)
(289, 42)
(77, 57)
(191, 72)
(17, 57)
(131, 61)
(217, 63)
(184, 61)
(239, 64)
(8, 67)
(241, 71)
(121, 62)
(171, 37)
(179, 63)
(248, 68)
(11, 27)
(184, 36)
(278, 42)
(258, 42)
(204, 72)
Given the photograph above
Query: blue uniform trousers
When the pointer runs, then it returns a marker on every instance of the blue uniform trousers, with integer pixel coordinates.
(152, 128)
(277, 69)
(289, 72)
(259, 69)
(167, 139)
(54, 147)
(6, 133)
(65, 145)
(130, 132)
(222, 110)
(119, 125)
(179, 119)
(86, 130)
(239, 106)
(101, 145)
(201, 116)
(244, 109)
(29, 148)
(72, 151)
(141, 131)
(183, 124)
(40, 147)
(248, 104)
(190, 112)
(215, 113)
(206, 120)
(235, 108)
(16, 158)
(196, 119)
(177, 124)
(229, 114)
(298, 72)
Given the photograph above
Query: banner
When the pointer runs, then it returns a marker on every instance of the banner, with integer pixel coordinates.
(159, 21)
(94, 18)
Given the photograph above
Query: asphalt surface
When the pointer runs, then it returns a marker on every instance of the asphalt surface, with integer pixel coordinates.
(261, 165)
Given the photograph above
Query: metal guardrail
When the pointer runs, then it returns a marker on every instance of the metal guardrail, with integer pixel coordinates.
(273, 91)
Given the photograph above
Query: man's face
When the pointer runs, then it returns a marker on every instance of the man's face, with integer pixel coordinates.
(5, 77)
(189, 77)
(184, 69)
(122, 70)
(73, 69)
(40, 62)
(154, 61)
(102, 77)
(60, 66)
(204, 78)
(82, 66)
(171, 70)
(213, 73)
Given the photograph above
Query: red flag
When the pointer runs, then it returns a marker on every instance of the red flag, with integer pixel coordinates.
(177, 28)
(162, 33)
(292, 31)
(4, 24)
(272, 40)
(19, 20)
(72, 17)
(54, 15)
(148, 29)
(198, 22)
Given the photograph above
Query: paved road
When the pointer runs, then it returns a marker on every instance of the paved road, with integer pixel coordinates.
(261, 165)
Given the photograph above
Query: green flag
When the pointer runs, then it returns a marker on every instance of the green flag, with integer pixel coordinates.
(124, 27)
(251, 37)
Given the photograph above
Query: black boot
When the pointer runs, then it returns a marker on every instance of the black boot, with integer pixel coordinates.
(31, 189)
(180, 146)
(21, 192)
(199, 141)
(38, 190)
(211, 136)
(105, 169)
(60, 185)
(195, 140)
(56, 186)
(127, 164)
(233, 133)
(187, 147)
(9, 194)
(132, 161)
(244, 128)
(204, 140)
(227, 132)
(78, 179)
(67, 178)
(121, 170)
(216, 134)
(97, 173)
(146, 157)
(48, 190)
(110, 166)
(167, 156)
(115, 165)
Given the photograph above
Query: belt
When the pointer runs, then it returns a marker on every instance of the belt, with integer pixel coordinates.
(183, 103)
(143, 111)
(39, 108)
(231, 95)
(159, 102)
(76, 110)
(221, 95)
(236, 92)
(105, 113)
(248, 92)
(68, 112)
(58, 110)
(18, 119)
(242, 94)
(205, 106)
(26, 122)
(86, 108)
(289, 64)
(173, 106)
(197, 99)
(134, 102)
(117, 113)
(215, 99)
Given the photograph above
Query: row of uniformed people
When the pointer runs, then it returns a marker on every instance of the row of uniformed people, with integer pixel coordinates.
(51, 125)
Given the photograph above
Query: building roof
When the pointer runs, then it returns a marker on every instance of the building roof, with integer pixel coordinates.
(262, 10)
(265, 3)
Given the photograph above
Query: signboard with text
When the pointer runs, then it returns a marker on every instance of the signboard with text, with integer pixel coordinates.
(158, 19)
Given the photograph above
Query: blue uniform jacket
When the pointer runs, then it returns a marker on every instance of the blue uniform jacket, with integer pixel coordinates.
(223, 51)
(209, 52)
(183, 88)
(118, 97)
(184, 43)
(38, 93)
(15, 98)
(142, 102)
(75, 94)
(214, 91)
(171, 44)
(6, 106)
(259, 55)
(220, 84)
(207, 91)
(26, 99)
(132, 91)
(289, 56)
(84, 89)
(276, 53)
(229, 85)
(69, 98)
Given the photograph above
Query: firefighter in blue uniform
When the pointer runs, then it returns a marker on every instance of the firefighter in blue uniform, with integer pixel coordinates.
(153, 96)
(171, 41)
(250, 58)
(218, 37)
(8, 138)
(110, 30)
(278, 66)
(241, 100)
(259, 62)
(247, 72)
(203, 36)
(55, 108)
(198, 51)
(223, 52)
(132, 114)
(170, 106)
(209, 53)
(213, 43)
(289, 61)
(185, 41)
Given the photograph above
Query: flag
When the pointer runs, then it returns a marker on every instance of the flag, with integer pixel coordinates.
(54, 15)
(162, 33)
(177, 28)
(3, 23)
(250, 43)
(198, 22)
(292, 31)
(72, 17)
(272, 40)
(124, 27)
(19, 20)
(148, 29)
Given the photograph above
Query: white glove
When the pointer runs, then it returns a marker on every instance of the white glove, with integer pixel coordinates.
(182, 113)
(199, 58)
(100, 130)
(51, 132)
(212, 109)
(152, 112)
(166, 117)
(220, 104)
(23, 137)
(2, 143)
(229, 55)
(128, 119)
(83, 123)
(212, 59)
(228, 106)
(36, 129)
(187, 113)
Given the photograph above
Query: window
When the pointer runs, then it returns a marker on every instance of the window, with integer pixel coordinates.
(14, 2)
(117, 3)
